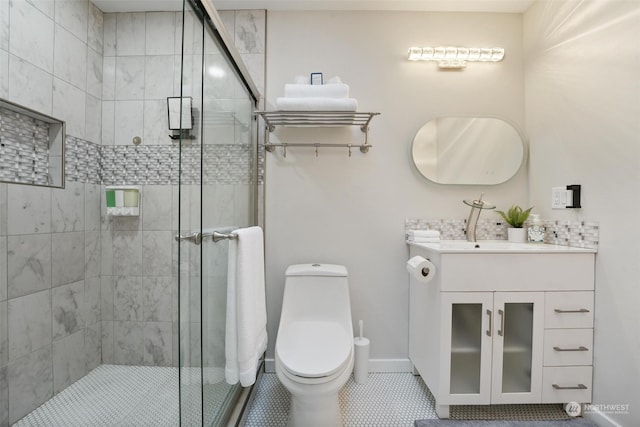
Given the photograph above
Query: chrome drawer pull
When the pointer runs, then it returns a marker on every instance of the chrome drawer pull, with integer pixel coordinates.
(501, 330)
(581, 310)
(581, 348)
(575, 387)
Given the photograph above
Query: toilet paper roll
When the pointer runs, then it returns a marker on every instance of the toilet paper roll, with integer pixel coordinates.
(421, 269)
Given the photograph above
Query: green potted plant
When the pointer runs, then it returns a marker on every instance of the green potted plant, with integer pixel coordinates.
(516, 217)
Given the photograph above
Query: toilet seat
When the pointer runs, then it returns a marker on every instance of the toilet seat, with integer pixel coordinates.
(313, 351)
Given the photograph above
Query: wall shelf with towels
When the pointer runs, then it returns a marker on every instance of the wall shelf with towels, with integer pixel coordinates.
(274, 119)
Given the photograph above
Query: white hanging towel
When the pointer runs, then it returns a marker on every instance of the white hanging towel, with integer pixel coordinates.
(246, 328)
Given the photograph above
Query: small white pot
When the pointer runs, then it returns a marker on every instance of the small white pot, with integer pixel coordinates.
(517, 235)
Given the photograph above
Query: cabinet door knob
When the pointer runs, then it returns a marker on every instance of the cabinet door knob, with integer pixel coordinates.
(570, 387)
(501, 330)
(490, 322)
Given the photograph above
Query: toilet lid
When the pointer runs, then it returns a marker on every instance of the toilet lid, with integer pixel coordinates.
(313, 349)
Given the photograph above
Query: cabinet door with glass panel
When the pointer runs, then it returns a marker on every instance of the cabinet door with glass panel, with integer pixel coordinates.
(492, 347)
(517, 347)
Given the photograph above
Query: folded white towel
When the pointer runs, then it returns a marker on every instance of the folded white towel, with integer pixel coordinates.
(246, 327)
(423, 233)
(316, 104)
(336, 90)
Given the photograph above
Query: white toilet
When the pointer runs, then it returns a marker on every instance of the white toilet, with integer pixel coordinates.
(314, 347)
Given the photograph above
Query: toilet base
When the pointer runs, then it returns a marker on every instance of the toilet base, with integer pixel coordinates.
(315, 405)
(315, 411)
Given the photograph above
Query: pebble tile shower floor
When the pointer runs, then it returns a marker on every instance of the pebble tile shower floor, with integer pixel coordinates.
(126, 396)
(139, 396)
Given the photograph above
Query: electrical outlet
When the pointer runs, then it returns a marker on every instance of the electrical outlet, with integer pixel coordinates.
(560, 197)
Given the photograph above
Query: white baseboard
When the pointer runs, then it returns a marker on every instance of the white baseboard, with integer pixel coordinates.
(375, 365)
(269, 366)
(390, 365)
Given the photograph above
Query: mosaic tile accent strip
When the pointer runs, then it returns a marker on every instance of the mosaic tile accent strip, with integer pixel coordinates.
(24, 148)
(581, 234)
(24, 157)
(82, 161)
(454, 229)
(160, 164)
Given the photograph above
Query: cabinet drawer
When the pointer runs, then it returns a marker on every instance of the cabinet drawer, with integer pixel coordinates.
(568, 347)
(568, 310)
(566, 384)
(503, 272)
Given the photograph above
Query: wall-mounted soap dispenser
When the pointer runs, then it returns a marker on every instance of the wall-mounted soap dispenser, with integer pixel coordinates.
(123, 200)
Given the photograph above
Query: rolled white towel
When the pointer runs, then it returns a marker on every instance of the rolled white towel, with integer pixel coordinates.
(316, 104)
(336, 90)
(424, 233)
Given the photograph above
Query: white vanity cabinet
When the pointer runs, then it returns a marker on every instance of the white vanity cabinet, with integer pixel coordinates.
(508, 325)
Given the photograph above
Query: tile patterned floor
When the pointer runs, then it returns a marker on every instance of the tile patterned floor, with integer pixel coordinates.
(386, 400)
(131, 396)
(139, 396)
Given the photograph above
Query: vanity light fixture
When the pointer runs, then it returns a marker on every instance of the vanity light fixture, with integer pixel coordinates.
(456, 57)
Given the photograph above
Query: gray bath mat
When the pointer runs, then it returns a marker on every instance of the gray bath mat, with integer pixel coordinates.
(574, 422)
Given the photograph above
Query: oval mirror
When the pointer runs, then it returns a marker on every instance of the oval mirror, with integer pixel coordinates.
(468, 150)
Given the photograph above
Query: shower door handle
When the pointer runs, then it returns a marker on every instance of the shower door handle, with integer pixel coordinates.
(198, 237)
(193, 237)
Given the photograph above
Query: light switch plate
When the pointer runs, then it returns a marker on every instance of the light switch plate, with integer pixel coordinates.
(560, 197)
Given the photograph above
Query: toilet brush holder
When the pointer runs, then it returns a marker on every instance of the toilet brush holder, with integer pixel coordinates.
(361, 362)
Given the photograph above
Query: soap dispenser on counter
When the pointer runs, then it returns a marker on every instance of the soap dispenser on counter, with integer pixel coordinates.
(536, 229)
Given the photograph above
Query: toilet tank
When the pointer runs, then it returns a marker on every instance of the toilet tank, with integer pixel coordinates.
(315, 292)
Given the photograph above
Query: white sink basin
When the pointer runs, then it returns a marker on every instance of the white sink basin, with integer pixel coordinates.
(496, 246)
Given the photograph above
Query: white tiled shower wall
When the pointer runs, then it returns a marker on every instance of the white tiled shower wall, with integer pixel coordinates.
(50, 328)
(76, 288)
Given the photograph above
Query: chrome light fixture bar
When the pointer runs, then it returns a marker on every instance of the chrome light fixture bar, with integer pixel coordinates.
(456, 57)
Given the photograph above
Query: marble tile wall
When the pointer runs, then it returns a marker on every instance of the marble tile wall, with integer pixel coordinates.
(77, 287)
(139, 301)
(50, 260)
(50, 322)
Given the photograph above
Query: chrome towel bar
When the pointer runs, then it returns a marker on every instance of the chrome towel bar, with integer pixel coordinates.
(197, 237)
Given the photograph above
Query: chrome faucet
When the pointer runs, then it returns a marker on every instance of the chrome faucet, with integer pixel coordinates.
(474, 215)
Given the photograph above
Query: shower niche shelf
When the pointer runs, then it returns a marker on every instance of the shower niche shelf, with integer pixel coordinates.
(32, 147)
(317, 119)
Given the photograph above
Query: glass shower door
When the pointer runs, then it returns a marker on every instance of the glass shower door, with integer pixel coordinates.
(216, 192)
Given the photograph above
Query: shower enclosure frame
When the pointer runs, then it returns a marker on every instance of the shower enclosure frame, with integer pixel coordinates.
(236, 398)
